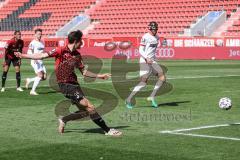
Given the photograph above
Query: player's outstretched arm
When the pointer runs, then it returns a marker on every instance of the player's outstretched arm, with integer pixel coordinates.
(87, 73)
(36, 56)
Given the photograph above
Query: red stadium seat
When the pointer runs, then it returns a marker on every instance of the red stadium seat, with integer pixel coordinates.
(172, 15)
(121, 17)
(61, 12)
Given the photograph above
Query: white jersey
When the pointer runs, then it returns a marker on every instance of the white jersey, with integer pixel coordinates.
(150, 44)
(36, 47)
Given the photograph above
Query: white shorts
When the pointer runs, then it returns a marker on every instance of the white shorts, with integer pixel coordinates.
(38, 67)
(147, 69)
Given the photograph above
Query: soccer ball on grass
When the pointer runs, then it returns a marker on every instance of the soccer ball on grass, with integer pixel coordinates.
(225, 103)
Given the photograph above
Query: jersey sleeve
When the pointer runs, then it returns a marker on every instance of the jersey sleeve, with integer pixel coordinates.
(80, 64)
(8, 44)
(8, 47)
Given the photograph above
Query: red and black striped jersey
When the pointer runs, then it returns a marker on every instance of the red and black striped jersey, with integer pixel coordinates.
(66, 62)
(12, 46)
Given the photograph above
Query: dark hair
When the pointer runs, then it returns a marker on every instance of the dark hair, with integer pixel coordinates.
(75, 36)
(17, 31)
(153, 25)
(38, 30)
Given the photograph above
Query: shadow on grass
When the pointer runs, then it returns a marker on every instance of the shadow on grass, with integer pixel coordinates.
(48, 92)
(172, 104)
(93, 130)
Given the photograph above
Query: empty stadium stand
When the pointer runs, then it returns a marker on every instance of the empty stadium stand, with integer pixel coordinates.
(112, 18)
(234, 30)
(27, 15)
(130, 17)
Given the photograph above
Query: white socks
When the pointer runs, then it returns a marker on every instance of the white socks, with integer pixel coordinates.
(35, 83)
(143, 84)
(135, 90)
(156, 88)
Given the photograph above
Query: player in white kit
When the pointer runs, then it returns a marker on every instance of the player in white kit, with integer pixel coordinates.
(36, 46)
(148, 64)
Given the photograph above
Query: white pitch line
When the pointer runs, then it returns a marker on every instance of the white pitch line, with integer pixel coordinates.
(196, 128)
(193, 77)
(177, 132)
(11, 87)
(205, 136)
(128, 80)
(197, 77)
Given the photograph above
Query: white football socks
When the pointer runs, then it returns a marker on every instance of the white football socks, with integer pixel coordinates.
(36, 82)
(135, 90)
(156, 88)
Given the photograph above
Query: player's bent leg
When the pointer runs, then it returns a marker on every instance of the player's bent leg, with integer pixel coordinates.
(71, 117)
(97, 119)
(35, 83)
(158, 85)
(137, 88)
(29, 80)
(74, 93)
(145, 71)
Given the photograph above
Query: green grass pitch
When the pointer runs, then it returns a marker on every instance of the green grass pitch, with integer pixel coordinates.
(28, 125)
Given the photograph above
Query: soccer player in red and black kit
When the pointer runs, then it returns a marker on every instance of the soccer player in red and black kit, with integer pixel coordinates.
(13, 45)
(68, 58)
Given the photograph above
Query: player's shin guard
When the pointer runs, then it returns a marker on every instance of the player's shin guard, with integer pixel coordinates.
(97, 119)
(156, 88)
(4, 77)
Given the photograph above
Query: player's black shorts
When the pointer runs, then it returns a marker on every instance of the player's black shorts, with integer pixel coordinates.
(14, 61)
(71, 91)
